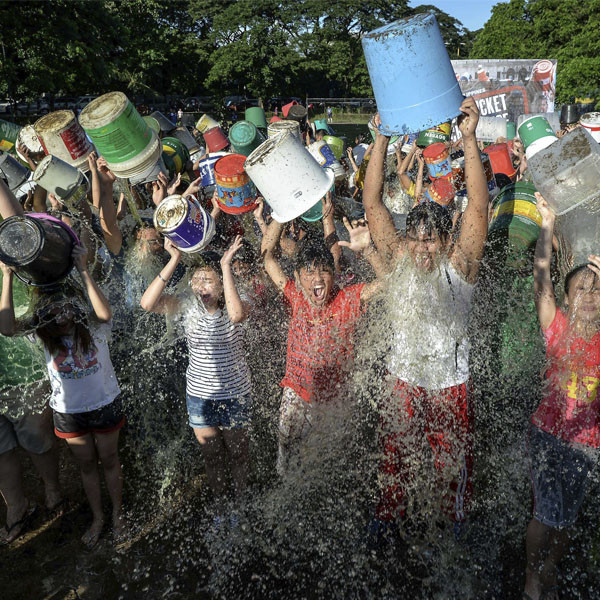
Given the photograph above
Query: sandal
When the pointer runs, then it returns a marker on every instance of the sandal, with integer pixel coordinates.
(58, 510)
(20, 527)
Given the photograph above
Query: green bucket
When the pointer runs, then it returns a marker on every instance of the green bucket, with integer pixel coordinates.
(8, 135)
(314, 213)
(511, 130)
(433, 135)
(321, 124)
(336, 144)
(256, 116)
(152, 123)
(245, 137)
(175, 155)
(533, 129)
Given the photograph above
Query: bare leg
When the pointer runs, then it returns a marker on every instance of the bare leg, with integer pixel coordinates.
(11, 487)
(84, 450)
(215, 457)
(107, 448)
(237, 446)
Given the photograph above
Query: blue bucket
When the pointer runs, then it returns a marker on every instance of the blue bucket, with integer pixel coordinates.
(206, 169)
(413, 80)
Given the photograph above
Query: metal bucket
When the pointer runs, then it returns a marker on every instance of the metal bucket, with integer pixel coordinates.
(60, 178)
(28, 137)
(245, 137)
(280, 126)
(441, 191)
(13, 171)
(437, 133)
(236, 194)
(9, 132)
(413, 80)
(165, 124)
(187, 139)
(437, 158)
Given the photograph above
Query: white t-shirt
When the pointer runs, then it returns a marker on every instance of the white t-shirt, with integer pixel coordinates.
(429, 318)
(83, 382)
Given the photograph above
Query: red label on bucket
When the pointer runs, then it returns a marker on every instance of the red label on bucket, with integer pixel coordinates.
(75, 141)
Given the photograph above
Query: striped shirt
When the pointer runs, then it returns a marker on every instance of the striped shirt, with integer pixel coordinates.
(217, 368)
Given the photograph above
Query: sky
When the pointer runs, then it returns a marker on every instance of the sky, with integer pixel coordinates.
(471, 13)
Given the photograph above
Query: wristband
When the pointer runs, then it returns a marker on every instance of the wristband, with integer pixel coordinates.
(162, 278)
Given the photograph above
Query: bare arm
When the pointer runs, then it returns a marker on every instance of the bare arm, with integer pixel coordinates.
(39, 199)
(97, 298)
(153, 299)
(258, 215)
(545, 302)
(236, 309)
(9, 205)
(419, 183)
(329, 231)
(272, 266)
(8, 325)
(405, 165)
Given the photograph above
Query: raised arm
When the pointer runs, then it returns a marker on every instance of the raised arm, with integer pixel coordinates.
(9, 205)
(153, 299)
(403, 165)
(468, 251)
(545, 301)
(8, 325)
(272, 266)
(97, 298)
(236, 308)
(329, 231)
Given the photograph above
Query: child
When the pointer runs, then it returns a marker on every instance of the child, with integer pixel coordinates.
(565, 432)
(218, 380)
(85, 404)
(322, 325)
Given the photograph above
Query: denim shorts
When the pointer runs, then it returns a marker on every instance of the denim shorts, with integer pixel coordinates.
(210, 412)
(560, 475)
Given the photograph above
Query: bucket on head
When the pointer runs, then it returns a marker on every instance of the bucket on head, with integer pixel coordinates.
(206, 169)
(283, 125)
(511, 130)
(285, 109)
(591, 122)
(441, 191)
(536, 134)
(437, 158)
(165, 124)
(322, 124)
(60, 178)
(413, 80)
(569, 114)
(184, 222)
(236, 194)
(298, 113)
(245, 137)
(288, 177)
(39, 248)
(177, 153)
(13, 171)
(437, 133)
(256, 116)
(9, 132)
(336, 144)
(324, 155)
(205, 123)
(489, 129)
(215, 139)
(500, 159)
(581, 229)
(186, 138)
(152, 123)
(120, 134)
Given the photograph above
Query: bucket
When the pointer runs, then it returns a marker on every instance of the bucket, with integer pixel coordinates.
(245, 137)
(336, 144)
(206, 169)
(322, 124)
(151, 174)
(441, 191)
(591, 122)
(13, 171)
(511, 130)
(165, 124)
(413, 80)
(176, 153)
(186, 138)
(315, 213)
(215, 139)
(437, 133)
(500, 159)
(569, 114)
(437, 158)
(152, 123)
(39, 247)
(61, 135)
(542, 73)
(581, 228)
(120, 134)
(256, 116)
(29, 138)
(236, 194)
(324, 155)
(298, 113)
(536, 134)
(288, 177)
(285, 109)
(280, 126)
(184, 222)
(552, 118)
(458, 174)
(60, 178)
(489, 129)
(206, 122)
(9, 132)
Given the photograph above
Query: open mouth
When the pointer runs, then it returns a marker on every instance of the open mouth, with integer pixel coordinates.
(318, 293)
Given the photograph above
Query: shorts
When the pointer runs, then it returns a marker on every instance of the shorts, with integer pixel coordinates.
(105, 419)
(559, 475)
(32, 432)
(212, 412)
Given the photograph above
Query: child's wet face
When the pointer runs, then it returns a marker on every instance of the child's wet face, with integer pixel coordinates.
(424, 247)
(584, 296)
(316, 282)
(207, 286)
(149, 241)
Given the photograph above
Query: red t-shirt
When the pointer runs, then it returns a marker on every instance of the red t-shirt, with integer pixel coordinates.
(570, 409)
(320, 348)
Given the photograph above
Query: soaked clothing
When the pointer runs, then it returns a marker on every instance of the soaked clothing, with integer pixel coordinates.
(320, 350)
(106, 419)
(570, 408)
(226, 413)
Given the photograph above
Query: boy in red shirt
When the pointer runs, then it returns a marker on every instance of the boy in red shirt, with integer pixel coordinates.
(320, 349)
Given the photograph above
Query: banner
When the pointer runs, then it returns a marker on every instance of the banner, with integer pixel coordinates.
(508, 88)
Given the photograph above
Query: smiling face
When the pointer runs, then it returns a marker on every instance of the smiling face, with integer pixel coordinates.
(425, 247)
(584, 296)
(316, 282)
(207, 286)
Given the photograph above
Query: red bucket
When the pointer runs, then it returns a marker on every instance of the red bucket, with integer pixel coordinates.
(500, 159)
(215, 139)
(236, 194)
(437, 158)
(285, 109)
(441, 190)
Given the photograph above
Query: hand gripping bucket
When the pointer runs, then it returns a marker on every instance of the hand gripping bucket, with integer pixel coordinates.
(501, 160)
(165, 124)
(236, 194)
(13, 171)
(324, 155)
(245, 137)
(215, 139)
(437, 158)
(280, 126)
(28, 137)
(413, 80)
(336, 144)
(288, 177)
(39, 247)
(61, 135)
(536, 134)
(206, 169)
(206, 122)
(438, 133)
(581, 229)
(60, 178)
(120, 134)
(184, 222)
(489, 129)
(591, 122)
(9, 132)
(256, 116)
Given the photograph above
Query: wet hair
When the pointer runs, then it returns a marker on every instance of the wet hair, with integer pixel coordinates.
(208, 260)
(433, 216)
(312, 252)
(571, 274)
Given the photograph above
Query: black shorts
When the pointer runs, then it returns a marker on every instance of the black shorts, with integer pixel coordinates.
(106, 419)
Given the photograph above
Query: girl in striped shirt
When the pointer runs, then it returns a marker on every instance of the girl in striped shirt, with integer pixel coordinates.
(217, 377)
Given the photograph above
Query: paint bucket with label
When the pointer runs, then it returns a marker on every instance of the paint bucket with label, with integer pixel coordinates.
(186, 138)
(489, 129)
(543, 72)
(175, 155)
(283, 125)
(336, 144)
(288, 177)
(120, 134)
(13, 171)
(536, 134)
(9, 132)
(60, 178)
(205, 123)
(437, 133)
(38, 247)
(500, 159)
(591, 122)
(245, 137)
(412, 77)
(184, 222)
(206, 169)
(61, 135)
(437, 158)
(256, 116)
(215, 139)
(165, 124)
(441, 191)
(324, 155)
(236, 194)
(552, 118)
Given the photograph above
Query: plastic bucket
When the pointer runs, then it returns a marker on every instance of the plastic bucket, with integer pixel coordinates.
(152, 123)
(236, 194)
(511, 130)
(151, 174)
(441, 191)
(280, 126)
(13, 171)
(215, 139)
(552, 118)
(500, 159)
(322, 124)
(39, 247)
(489, 129)
(206, 169)
(186, 138)
(413, 80)
(315, 213)
(205, 123)
(61, 135)
(591, 122)
(324, 155)
(29, 138)
(437, 159)
(288, 177)
(177, 154)
(581, 228)
(536, 134)
(256, 116)
(184, 222)
(336, 144)
(165, 124)
(245, 137)
(438, 133)
(60, 178)
(285, 109)
(9, 132)
(120, 134)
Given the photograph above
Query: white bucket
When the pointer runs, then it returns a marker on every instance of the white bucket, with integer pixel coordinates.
(61, 135)
(591, 122)
(151, 174)
(288, 177)
(279, 126)
(323, 154)
(552, 118)
(538, 145)
(489, 129)
(28, 137)
(60, 178)
(206, 122)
